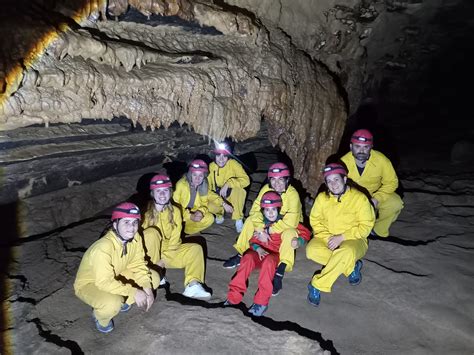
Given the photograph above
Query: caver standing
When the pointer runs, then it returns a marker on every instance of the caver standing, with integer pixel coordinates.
(162, 226)
(198, 203)
(228, 178)
(113, 273)
(374, 171)
(342, 219)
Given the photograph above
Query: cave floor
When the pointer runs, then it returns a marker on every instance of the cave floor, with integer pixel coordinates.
(416, 296)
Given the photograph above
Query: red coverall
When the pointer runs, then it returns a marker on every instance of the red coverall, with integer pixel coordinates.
(250, 260)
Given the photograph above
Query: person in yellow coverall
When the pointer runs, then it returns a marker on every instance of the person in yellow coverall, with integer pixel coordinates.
(291, 212)
(162, 226)
(197, 202)
(228, 178)
(116, 257)
(342, 219)
(374, 171)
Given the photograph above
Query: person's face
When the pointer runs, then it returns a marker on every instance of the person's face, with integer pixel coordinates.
(336, 183)
(197, 177)
(221, 160)
(271, 213)
(162, 195)
(278, 184)
(127, 227)
(361, 151)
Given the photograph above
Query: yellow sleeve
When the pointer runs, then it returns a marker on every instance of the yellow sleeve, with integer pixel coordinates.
(239, 176)
(365, 219)
(104, 274)
(292, 217)
(389, 180)
(138, 265)
(179, 196)
(317, 219)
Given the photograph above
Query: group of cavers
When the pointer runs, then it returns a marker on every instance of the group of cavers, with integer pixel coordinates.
(127, 263)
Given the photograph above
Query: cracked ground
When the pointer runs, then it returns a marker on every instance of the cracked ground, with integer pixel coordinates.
(416, 295)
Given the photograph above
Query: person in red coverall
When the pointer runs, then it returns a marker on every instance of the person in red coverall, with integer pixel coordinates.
(263, 253)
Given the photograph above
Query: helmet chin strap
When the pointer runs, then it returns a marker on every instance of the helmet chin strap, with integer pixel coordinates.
(157, 203)
(124, 241)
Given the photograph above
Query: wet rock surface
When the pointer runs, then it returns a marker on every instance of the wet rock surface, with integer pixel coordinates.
(416, 294)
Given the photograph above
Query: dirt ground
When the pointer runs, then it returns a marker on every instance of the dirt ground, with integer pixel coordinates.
(416, 296)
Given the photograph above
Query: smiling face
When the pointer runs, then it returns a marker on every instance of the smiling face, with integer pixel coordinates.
(221, 160)
(279, 184)
(271, 213)
(161, 195)
(336, 183)
(361, 152)
(126, 227)
(197, 177)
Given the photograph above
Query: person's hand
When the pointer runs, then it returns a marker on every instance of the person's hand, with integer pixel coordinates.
(263, 236)
(141, 299)
(149, 298)
(228, 208)
(196, 216)
(223, 191)
(262, 253)
(375, 202)
(335, 241)
(294, 243)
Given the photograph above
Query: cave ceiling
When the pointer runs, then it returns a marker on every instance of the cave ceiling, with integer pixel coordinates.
(221, 67)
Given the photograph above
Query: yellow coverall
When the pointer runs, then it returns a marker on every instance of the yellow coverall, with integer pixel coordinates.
(96, 281)
(292, 215)
(236, 178)
(163, 242)
(209, 204)
(380, 179)
(352, 216)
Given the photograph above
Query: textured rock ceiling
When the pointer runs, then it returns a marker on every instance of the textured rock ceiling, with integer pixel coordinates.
(222, 77)
(220, 66)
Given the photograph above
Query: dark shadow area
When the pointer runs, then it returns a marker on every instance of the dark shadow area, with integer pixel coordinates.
(405, 242)
(49, 337)
(266, 322)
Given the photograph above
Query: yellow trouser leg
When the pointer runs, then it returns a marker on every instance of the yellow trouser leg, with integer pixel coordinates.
(388, 213)
(215, 209)
(237, 199)
(106, 305)
(287, 253)
(130, 275)
(191, 227)
(337, 262)
(242, 243)
(188, 256)
(152, 239)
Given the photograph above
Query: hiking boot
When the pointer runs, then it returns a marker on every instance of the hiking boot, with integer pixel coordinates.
(314, 295)
(125, 307)
(163, 281)
(356, 277)
(239, 224)
(196, 291)
(232, 262)
(277, 284)
(257, 310)
(107, 329)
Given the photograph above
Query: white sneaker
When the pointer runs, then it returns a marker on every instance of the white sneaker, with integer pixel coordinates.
(163, 281)
(219, 219)
(196, 291)
(239, 224)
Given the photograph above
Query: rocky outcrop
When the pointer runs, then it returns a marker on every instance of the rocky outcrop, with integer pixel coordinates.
(221, 80)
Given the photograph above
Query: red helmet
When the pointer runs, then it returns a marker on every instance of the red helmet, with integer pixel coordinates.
(278, 170)
(334, 168)
(160, 181)
(222, 148)
(271, 199)
(362, 136)
(198, 165)
(126, 210)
